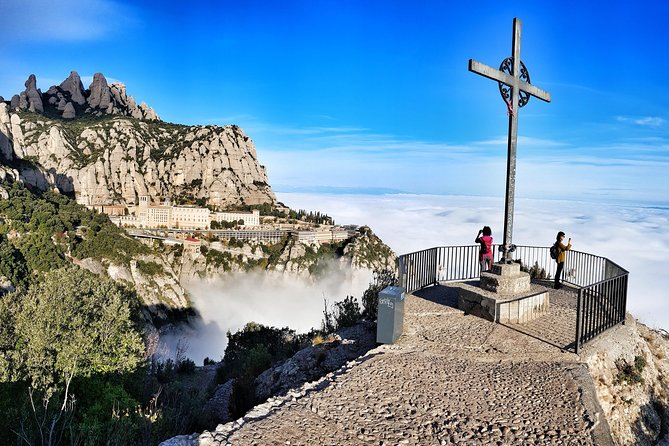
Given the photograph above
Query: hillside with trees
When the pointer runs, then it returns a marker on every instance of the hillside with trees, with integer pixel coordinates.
(77, 363)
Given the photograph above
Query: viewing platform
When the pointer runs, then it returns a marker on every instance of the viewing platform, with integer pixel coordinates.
(517, 293)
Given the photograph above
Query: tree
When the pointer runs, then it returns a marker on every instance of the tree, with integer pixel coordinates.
(75, 323)
(12, 264)
(72, 324)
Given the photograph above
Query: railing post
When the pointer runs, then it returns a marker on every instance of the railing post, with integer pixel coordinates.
(436, 268)
(579, 325)
(625, 277)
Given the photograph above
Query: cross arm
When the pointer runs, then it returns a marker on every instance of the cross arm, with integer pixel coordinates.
(490, 72)
(500, 76)
(535, 91)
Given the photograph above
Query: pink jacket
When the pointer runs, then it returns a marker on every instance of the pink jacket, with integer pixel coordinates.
(485, 241)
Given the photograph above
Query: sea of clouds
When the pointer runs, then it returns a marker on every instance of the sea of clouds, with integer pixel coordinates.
(635, 237)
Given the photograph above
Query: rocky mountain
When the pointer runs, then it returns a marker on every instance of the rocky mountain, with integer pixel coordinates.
(70, 100)
(99, 146)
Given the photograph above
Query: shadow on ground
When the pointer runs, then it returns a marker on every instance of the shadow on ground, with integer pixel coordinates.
(557, 327)
(439, 294)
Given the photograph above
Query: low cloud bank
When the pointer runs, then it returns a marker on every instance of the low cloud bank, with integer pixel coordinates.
(636, 238)
(268, 298)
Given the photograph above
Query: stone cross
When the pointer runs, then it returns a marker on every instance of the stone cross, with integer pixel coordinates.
(515, 87)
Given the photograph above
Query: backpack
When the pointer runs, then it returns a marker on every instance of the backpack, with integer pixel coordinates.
(555, 251)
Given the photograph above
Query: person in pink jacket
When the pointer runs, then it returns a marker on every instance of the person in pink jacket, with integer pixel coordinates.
(484, 238)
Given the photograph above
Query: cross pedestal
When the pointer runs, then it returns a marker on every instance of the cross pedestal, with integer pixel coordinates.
(504, 295)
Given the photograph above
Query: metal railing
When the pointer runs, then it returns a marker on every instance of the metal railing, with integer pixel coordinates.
(602, 284)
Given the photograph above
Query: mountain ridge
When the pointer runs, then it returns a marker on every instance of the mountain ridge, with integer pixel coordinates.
(100, 147)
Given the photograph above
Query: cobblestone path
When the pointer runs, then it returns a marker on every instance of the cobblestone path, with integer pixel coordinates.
(450, 379)
(558, 327)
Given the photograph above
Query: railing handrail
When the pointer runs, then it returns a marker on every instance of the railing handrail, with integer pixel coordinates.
(496, 248)
(474, 247)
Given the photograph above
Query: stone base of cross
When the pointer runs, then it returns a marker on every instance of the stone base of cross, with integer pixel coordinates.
(515, 88)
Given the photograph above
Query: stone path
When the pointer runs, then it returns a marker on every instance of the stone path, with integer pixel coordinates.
(449, 379)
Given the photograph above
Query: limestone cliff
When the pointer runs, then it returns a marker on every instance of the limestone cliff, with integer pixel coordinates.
(630, 369)
(101, 147)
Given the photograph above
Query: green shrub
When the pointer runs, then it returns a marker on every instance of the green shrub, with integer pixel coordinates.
(149, 268)
(250, 351)
(630, 373)
(370, 298)
(13, 265)
(347, 312)
(185, 366)
(343, 314)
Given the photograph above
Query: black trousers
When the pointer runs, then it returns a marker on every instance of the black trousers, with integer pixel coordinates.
(558, 274)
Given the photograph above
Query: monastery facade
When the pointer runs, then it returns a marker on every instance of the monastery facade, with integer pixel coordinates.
(149, 215)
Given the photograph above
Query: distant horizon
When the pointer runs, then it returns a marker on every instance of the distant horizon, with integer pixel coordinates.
(353, 191)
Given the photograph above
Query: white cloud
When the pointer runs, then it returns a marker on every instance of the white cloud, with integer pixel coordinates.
(650, 121)
(272, 299)
(647, 121)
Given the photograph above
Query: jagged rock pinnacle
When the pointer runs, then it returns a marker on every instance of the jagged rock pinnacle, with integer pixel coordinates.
(71, 100)
(31, 98)
(74, 86)
(100, 96)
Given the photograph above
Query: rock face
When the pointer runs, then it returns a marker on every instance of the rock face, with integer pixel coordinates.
(31, 98)
(100, 96)
(316, 361)
(61, 100)
(629, 367)
(126, 152)
(159, 292)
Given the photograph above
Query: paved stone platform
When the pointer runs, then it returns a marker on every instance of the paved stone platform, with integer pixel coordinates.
(449, 379)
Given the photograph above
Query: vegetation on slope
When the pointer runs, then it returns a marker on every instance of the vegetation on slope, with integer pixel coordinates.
(74, 368)
(42, 229)
(66, 335)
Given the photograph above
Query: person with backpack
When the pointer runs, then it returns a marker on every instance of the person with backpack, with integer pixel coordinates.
(484, 238)
(559, 250)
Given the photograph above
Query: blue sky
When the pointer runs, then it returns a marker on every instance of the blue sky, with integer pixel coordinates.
(376, 95)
